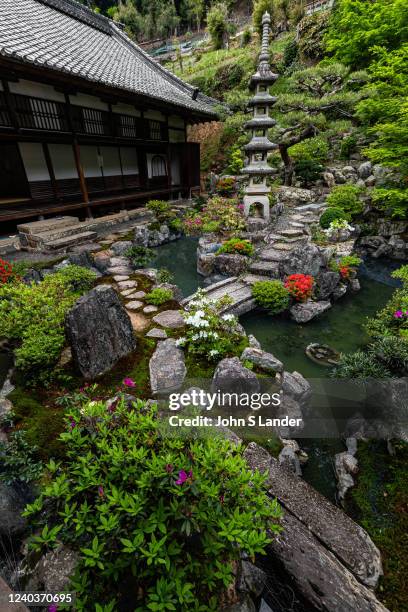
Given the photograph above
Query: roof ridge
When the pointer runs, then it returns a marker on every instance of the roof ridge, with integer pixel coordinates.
(82, 13)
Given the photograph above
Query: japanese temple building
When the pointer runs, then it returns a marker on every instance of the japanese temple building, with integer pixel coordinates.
(88, 121)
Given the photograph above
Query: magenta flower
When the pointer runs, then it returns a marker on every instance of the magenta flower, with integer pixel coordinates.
(222, 498)
(169, 468)
(398, 314)
(72, 423)
(101, 492)
(183, 477)
(53, 608)
(128, 382)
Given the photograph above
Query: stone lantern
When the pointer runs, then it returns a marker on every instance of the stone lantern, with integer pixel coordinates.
(256, 198)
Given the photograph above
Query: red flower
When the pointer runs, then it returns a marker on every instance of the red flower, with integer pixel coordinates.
(300, 286)
(6, 270)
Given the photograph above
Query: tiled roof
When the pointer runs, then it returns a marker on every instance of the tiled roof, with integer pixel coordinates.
(66, 36)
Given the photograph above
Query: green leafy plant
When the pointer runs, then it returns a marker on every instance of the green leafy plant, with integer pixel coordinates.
(18, 460)
(140, 256)
(237, 246)
(162, 211)
(226, 186)
(346, 197)
(308, 171)
(348, 146)
(271, 295)
(223, 215)
(173, 513)
(330, 215)
(315, 149)
(159, 296)
(164, 276)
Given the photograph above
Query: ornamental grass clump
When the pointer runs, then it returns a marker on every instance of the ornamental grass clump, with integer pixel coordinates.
(236, 246)
(300, 286)
(157, 519)
(209, 333)
(271, 295)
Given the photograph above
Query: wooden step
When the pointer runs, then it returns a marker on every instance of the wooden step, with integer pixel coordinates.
(61, 244)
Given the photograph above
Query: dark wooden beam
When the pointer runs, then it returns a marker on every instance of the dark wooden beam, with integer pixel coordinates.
(81, 176)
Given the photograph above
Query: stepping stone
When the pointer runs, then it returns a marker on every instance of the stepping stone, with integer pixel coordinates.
(297, 225)
(120, 277)
(272, 255)
(283, 246)
(127, 284)
(251, 279)
(127, 292)
(157, 333)
(149, 309)
(135, 305)
(119, 271)
(167, 367)
(138, 320)
(169, 318)
(138, 295)
(119, 261)
(292, 233)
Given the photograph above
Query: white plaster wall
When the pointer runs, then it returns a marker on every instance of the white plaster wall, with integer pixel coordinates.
(89, 101)
(38, 90)
(111, 162)
(126, 109)
(129, 160)
(90, 161)
(63, 161)
(34, 161)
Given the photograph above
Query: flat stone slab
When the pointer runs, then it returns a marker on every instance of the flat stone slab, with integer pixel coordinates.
(291, 233)
(119, 271)
(138, 320)
(272, 255)
(127, 292)
(169, 318)
(150, 308)
(134, 305)
(303, 313)
(138, 295)
(120, 277)
(282, 246)
(266, 268)
(127, 284)
(167, 367)
(157, 333)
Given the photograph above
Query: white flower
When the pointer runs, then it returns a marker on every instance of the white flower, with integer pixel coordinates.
(180, 341)
(213, 352)
(228, 317)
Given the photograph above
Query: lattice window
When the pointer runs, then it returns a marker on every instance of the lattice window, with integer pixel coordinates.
(155, 130)
(159, 166)
(94, 122)
(4, 114)
(127, 126)
(39, 114)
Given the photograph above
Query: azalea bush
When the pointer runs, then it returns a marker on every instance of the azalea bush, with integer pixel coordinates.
(392, 320)
(34, 315)
(159, 296)
(6, 271)
(237, 246)
(159, 520)
(209, 333)
(271, 295)
(300, 286)
(224, 215)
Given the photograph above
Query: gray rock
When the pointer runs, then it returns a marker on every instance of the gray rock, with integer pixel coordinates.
(290, 408)
(12, 504)
(102, 261)
(360, 183)
(121, 247)
(294, 196)
(167, 367)
(355, 285)
(99, 331)
(364, 170)
(329, 179)
(53, 571)
(206, 263)
(383, 251)
(306, 311)
(305, 259)
(326, 284)
(264, 607)
(262, 359)
(157, 333)
(5, 406)
(346, 467)
(170, 318)
(141, 236)
(295, 385)
(289, 460)
(251, 579)
(349, 170)
(339, 292)
(149, 309)
(320, 545)
(245, 604)
(231, 376)
(127, 284)
(134, 305)
(231, 265)
(118, 278)
(7, 388)
(32, 276)
(370, 181)
(137, 295)
(253, 342)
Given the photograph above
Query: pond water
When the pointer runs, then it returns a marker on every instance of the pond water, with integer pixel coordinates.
(341, 328)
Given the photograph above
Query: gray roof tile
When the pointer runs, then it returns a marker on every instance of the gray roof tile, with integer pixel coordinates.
(68, 37)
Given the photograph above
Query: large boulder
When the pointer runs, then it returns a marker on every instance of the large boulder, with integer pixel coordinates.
(263, 360)
(296, 386)
(206, 263)
(99, 331)
(167, 367)
(231, 376)
(305, 259)
(230, 264)
(12, 504)
(320, 545)
(364, 170)
(293, 196)
(326, 284)
(306, 311)
(53, 571)
(171, 319)
(121, 247)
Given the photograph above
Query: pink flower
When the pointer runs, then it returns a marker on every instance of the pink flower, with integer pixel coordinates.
(72, 423)
(101, 491)
(398, 314)
(53, 608)
(128, 382)
(183, 476)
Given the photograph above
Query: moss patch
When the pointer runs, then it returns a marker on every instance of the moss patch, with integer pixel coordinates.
(379, 502)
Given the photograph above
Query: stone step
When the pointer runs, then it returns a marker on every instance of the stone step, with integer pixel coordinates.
(314, 207)
(272, 255)
(295, 240)
(292, 233)
(265, 268)
(60, 244)
(296, 225)
(283, 246)
(251, 279)
(38, 227)
(57, 233)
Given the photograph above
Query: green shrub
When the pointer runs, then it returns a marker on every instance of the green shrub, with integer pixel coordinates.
(140, 256)
(360, 365)
(164, 276)
(172, 513)
(34, 316)
(346, 197)
(237, 246)
(162, 211)
(271, 295)
(314, 149)
(290, 53)
(331, 214)
(159, 296)
(312, 29)
(176, 225)
(348, 146)
(308, 171)
(246, 37)
(217, 24)
(18, 460)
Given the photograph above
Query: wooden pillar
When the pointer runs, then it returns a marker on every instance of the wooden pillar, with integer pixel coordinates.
(81, 177)
(9, 104)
